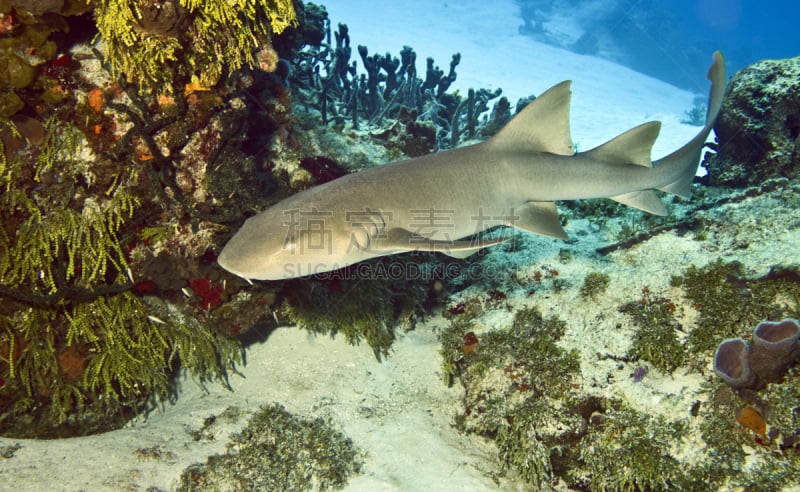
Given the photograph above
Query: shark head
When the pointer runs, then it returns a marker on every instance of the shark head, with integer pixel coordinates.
(281, 243)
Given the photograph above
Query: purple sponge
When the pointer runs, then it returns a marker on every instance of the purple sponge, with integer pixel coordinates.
(773, 349)
(731, 363)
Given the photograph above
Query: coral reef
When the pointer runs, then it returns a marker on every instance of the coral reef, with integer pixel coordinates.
(118, 166)
(278, 451)
(758, 126)
(585, 429)
(421, 112)
(30, 59)
(74, 335)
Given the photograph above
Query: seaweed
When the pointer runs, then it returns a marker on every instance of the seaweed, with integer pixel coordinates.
(594, 284)
(278, 451)
(731, 304)
(629, 451)
(73, 332)
(368, 308)
(518, 382)
(656, 339)
(154, 44)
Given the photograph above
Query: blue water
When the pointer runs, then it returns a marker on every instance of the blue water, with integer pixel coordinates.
(670, 39)
(746, 31)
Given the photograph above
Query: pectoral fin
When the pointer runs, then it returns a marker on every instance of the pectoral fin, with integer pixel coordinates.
(539, 218)
(402, 240)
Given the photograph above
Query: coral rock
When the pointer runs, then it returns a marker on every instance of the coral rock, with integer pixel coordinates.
(758, 125)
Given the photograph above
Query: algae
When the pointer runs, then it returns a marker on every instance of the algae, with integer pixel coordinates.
(155, 44)
(594, 284)
(368, 309)
(517, 383)
(278, 451)
(73, 334)
(656, 339)
(731, 304)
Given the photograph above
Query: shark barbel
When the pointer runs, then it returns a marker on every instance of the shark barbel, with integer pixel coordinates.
(432, 203)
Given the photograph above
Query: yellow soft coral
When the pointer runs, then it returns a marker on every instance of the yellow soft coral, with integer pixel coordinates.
(154, 42)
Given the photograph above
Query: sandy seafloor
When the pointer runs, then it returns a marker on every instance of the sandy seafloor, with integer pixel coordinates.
(398, 411)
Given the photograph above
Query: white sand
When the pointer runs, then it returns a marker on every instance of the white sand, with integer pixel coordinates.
(398, 411)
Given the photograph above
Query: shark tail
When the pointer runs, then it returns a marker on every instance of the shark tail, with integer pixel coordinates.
(687, 158)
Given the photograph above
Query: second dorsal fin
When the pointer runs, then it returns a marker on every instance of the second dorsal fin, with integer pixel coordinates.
(631, 147)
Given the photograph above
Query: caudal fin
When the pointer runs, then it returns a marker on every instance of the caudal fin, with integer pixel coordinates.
(687, 158)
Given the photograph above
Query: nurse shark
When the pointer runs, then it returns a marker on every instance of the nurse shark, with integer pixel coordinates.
(439, 202)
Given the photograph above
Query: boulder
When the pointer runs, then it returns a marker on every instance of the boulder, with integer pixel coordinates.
(758, 126)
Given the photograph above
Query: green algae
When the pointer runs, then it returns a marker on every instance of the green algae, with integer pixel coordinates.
(731, 304)
(368, 309)
(73, 335)
(278, 451)
(656, 339)
(594, 284)
(194, 42)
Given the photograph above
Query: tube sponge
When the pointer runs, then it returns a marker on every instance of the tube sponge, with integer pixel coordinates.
(773, 350)
(731, 363)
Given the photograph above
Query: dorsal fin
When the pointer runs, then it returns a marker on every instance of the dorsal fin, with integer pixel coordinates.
(631, 147)
(542, 126)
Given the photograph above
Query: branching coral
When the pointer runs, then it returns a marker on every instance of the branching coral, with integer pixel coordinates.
(392, 89)
(143, 37)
